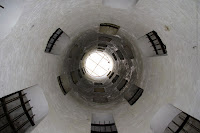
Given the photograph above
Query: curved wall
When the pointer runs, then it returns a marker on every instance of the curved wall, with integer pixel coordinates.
(10, 14)
(171, 79)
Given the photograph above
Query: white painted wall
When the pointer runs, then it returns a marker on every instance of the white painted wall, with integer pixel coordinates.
(121, 4)
(9, 15)
(169, 79)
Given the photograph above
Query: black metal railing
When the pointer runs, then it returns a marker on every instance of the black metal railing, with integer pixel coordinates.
(114, 56)
(102, 45)
(14, 109)
(135, 96)
(95, 83)
(111, 75)
(83, 70)
(115, 79)
(100, 48)
(53, 39)
(122, 84)
(183, 123)
(157, 44)
(61, 85)
(79, 73)
(103, 128)
(82, 56)
(99, 90)
(110, 25)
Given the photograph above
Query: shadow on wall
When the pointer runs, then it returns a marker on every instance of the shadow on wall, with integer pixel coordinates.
(10, 14)
(22, 110)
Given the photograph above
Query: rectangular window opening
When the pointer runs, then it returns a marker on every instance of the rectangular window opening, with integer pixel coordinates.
(115, 79)
(98, 83)
(122, 84)
(114, 56)
(120, 55)
(102, 45)
(111, 75)
(99, 90)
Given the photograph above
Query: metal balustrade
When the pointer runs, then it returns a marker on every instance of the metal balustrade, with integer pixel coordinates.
(115, 79)
(98, 83)
(133, 94)
(108, 28)
(61, 85)
(53, 39)
(114, 56)
(183, 123)
(111, 75)
(103, 128)
(122, 84)
(157, 44)
(16, 112)
(110, 25)
(102, 45)
(83, 70)
(136, 96)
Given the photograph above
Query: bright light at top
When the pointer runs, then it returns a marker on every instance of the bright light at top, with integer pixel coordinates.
(98, 64)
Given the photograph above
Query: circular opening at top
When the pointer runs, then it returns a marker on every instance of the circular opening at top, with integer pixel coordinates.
(98, 64)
